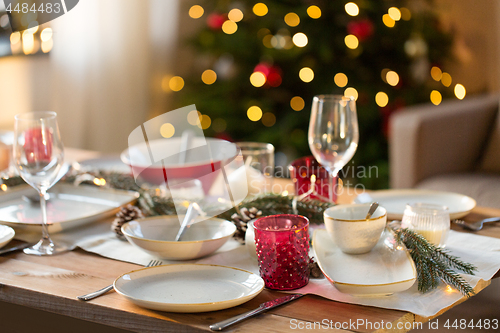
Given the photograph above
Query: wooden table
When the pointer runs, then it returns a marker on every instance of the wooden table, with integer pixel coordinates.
(52, 284)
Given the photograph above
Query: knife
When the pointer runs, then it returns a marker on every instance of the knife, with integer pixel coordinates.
(263, 307)
(15, 248)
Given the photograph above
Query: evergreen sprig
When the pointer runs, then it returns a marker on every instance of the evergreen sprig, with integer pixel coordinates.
(271, 204)
(434, 264)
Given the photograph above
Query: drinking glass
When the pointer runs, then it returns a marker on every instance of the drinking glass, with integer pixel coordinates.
(429, 220)
(38, 157)
(333, 132)
(282, 246)
(258, 159)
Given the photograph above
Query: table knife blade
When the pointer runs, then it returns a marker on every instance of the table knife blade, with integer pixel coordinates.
(262, 307)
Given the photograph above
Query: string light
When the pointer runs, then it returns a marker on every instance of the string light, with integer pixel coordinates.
(194, 117)
(267, 41)
(314, 12)
(46, 34)
(260, 9)
(47, 45)
(394, 13)
(3, 187)
(229, 27)
(446, 79)
(196, 11)
(381, 99)
(392, 78)
(99, 181)
(167, 130)
(205, 122)
(351, 41)
(254, 113)
(292, 19)
(436, 97)
(300, 39)
(405, 13)
(268, 119)
(436, 73)
(209, 76)
(351, 92)
(297, 103)
(235, 15)
(219, 125)
(15, 37)
(176, 83)
(257, 79)
(340, 80)
(460, 91)
(388, 21)
(306, 74)
(28, 42)
(351, 8)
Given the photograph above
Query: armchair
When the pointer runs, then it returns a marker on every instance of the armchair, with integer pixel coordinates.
(454, 146)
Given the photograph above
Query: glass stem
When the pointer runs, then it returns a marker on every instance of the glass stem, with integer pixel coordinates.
(43, 206)
(331, 188)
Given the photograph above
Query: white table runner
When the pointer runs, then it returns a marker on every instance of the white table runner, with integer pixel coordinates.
(483, 252)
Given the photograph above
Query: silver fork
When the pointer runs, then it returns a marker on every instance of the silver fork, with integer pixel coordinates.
(104, 290)
(476, 225)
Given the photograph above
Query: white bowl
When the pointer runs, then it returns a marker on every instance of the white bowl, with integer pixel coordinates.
(153, 159)
(6, 235)
(350, 231)
(155, 235)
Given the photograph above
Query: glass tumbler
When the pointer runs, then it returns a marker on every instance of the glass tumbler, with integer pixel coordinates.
(429, 220)
(282, 243)
(301, 171)
(258, 158)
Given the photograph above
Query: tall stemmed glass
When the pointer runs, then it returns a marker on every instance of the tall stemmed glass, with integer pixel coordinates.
(38, 157)
(333, 132)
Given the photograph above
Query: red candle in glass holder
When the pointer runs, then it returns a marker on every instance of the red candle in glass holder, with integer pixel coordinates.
(282, 243)
(301, 171)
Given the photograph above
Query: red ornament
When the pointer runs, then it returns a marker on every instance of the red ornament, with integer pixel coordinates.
(271, 72)
(215, 21)
(362, 29)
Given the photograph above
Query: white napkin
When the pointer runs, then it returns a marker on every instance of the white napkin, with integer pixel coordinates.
(483, 252)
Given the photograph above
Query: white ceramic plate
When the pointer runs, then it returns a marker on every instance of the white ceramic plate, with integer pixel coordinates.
(68, 206)
(156, 236)
(189, 287)
(6, 235)
(395, 201)
(382, 271)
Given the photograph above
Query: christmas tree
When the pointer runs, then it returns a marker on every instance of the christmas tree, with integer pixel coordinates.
(259, 64)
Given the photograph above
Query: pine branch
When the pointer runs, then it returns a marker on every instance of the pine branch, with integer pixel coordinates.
(434, 264)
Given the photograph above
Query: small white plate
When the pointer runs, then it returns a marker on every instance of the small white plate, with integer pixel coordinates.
(189, 287)
(6, 235)
(395, 201)
(382, 271)
(69, 206)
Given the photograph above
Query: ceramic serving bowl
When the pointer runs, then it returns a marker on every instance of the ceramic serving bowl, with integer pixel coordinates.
(350, 231)
(155, 235)
(204, 156)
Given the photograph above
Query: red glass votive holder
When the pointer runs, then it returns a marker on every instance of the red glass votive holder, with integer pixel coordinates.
(282, 243)
(301, 171)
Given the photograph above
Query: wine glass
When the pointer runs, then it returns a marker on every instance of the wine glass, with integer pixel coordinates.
(38, 157)
(333, 132)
